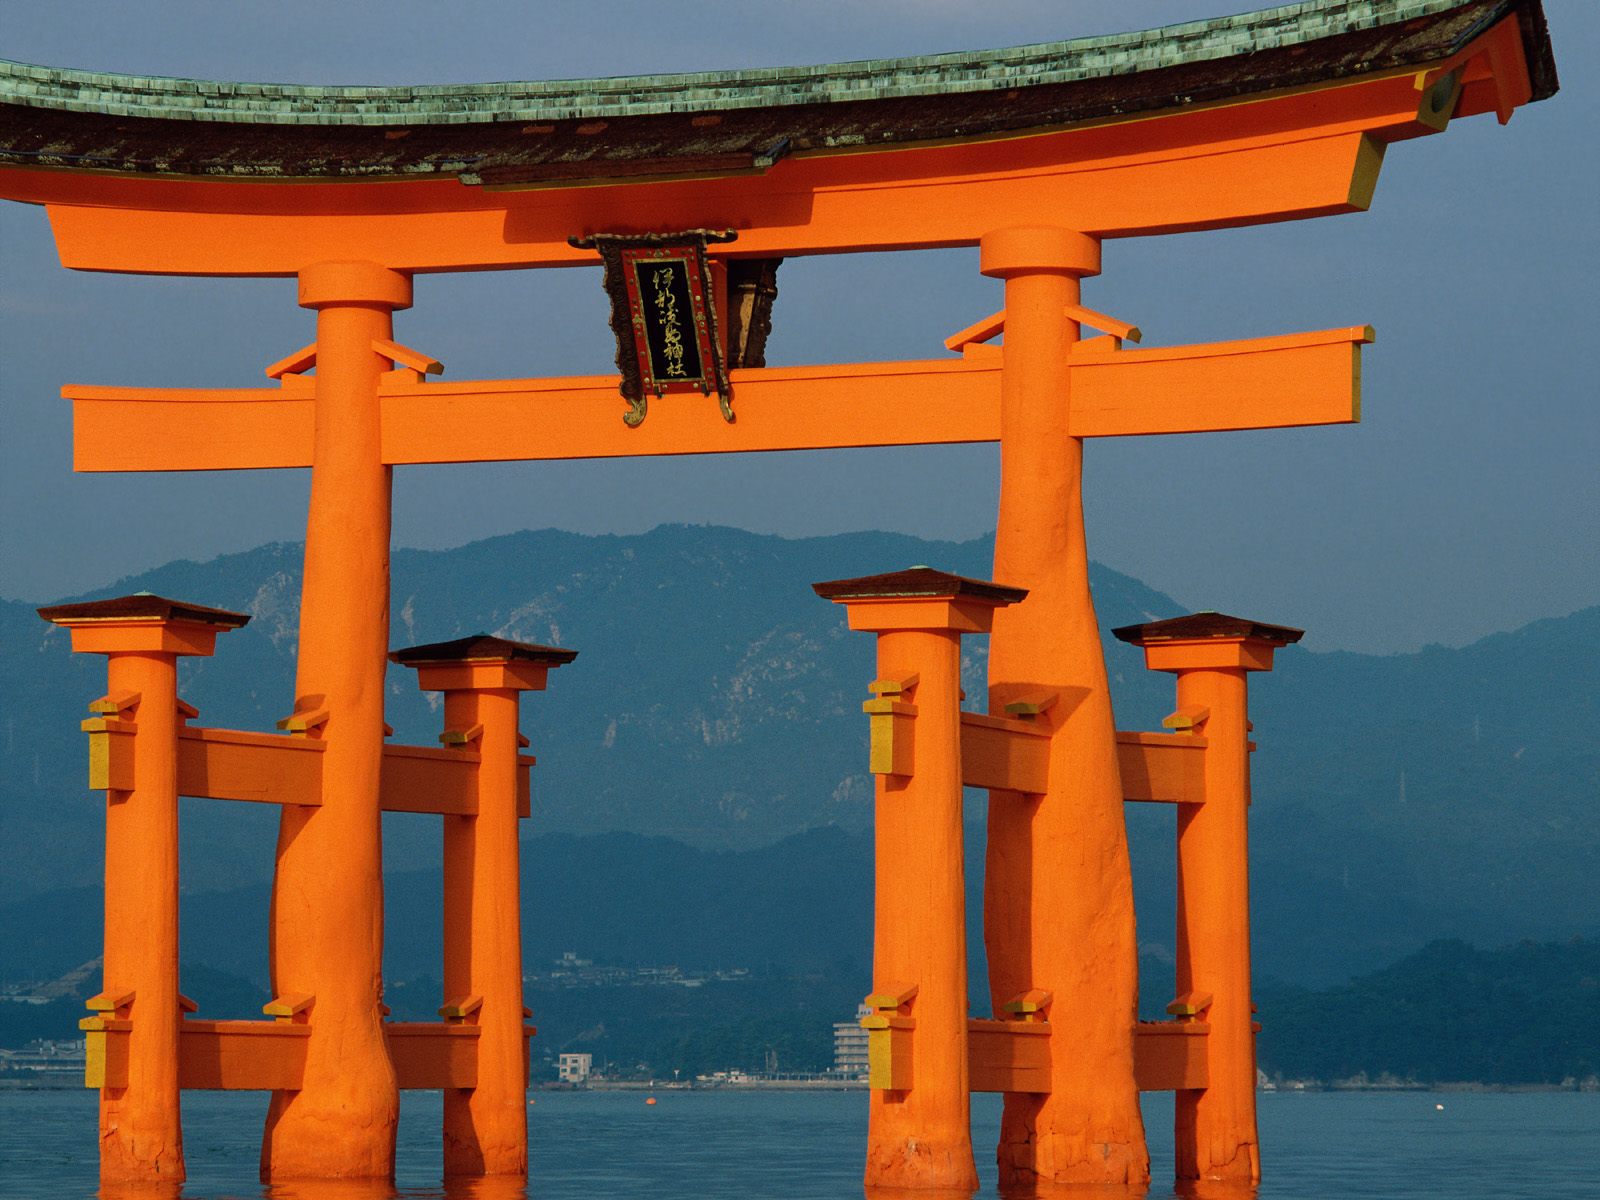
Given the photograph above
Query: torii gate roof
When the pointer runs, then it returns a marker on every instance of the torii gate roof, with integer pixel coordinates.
(717, 123)
(1268, 116)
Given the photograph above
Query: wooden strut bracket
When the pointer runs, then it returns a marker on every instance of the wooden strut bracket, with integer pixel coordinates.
(971, 341)
(889, 1027)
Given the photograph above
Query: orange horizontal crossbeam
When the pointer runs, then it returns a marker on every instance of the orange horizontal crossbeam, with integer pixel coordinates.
(1183, 171)
(271, 1055)
(1014, 1056)
(1299, 379)
(999, 752)
(425, 779)
(1163, 768)
(1008, 1056)
(1170, 1056)
(235, 764)
(232, 764)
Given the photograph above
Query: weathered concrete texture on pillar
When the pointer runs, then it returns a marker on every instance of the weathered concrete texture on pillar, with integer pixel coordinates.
(486, 1126)
(327, 898)
(142, 637)
(1215, 1134)
(1058, 890)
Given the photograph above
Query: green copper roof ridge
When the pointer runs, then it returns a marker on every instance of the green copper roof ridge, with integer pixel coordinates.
(1033, 64)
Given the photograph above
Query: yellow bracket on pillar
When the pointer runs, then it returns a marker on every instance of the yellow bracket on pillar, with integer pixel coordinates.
(1191, 1006)
(889, 1028)
(110, 753)
(291, 1008)
(1187, 719)
(1031, 1005)
(459, 1009)
(302, 722)
(890, 735)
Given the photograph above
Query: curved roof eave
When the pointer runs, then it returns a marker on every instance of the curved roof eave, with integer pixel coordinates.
(709, 123)
(957, 73)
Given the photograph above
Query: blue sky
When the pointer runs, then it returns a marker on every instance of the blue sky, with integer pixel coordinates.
(1467, 501)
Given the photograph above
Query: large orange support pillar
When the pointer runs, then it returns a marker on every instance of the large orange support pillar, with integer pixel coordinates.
(1058, 891)
(485, 1126)
(919, 1134)
(141, 1136)
(1211, 654)
(327, 898)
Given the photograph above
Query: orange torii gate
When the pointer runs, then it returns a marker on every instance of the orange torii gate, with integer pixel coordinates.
(1034, 155)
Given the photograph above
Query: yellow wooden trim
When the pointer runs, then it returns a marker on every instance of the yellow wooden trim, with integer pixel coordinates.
(94, 1058)
(460, 1007)
(1186, 719)
(291, 1006)
(1190, 1004)
(1364, 179)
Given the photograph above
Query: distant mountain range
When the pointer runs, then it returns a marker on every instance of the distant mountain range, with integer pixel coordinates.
(715, 702)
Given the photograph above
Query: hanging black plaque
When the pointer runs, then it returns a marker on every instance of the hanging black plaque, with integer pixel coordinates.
(664, 316)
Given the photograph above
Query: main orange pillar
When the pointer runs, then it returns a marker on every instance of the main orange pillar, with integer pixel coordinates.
(1058, 891)
(327, 897)
(1215, 1127)
(486, 1126)
(141, 1136)
(919, 1129)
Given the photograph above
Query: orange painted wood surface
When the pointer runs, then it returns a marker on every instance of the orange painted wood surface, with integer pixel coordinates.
(271, 1055)
(430, 1055)
(1009, 1056)
(997, 752)
(232, 764)
(1170, 1055)
(1298, 379)
(1178, 172)
(1014, 1056)
(240, 1055)
(1164, 768)
(266, 768)
(1299, 152)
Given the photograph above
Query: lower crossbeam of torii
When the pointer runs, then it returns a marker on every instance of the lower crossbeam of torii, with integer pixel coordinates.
(1036, 175)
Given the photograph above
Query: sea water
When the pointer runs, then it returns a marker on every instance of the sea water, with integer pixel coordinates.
(709, 1145)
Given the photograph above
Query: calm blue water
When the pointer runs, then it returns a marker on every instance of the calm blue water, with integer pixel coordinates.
(808, 1146)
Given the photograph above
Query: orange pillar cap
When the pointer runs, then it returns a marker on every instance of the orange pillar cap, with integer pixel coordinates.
(143, 623)
(358, 282)
(482, 662)
(920, 598)
(1006, 252)
(1208, 640)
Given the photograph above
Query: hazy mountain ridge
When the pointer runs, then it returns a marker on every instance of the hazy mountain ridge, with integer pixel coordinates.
(716, 700)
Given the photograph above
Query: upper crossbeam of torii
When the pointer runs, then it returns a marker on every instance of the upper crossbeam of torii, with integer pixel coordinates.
(1035, 155)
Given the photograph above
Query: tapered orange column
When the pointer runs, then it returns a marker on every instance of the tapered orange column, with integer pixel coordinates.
(919, 1133)
(141, 1135)
(485, 1127)
(1211, 655)
(1058, 891)
(327, 897)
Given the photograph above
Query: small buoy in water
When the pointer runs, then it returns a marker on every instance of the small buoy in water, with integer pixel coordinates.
(1438, 1108)
(531, 1103)
(651, 1100)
